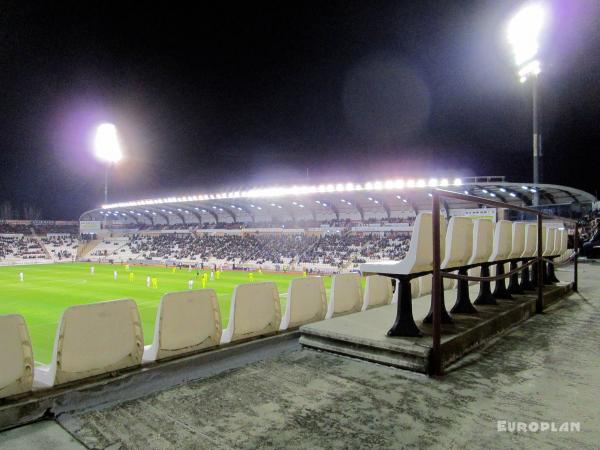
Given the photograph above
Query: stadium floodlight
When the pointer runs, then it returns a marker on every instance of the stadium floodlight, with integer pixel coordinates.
(523, 33)
(524, 30)
(107, 149)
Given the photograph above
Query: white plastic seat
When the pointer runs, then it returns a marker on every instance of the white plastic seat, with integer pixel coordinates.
(419, 257)
(418, 262)
(346, 295)
(459, 251)
(186, 322)
(549, 241)
(564, 244)
(94, 339)
(459, 246)
(518, 240)
(254, 311)
(501, 250)
(557, 242)
(483, 240)
(502, 244)
(530, 247)
(306, 302)
(517, 248)
(16, 357)
(378, 291)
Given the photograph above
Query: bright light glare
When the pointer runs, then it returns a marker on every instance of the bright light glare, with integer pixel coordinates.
(524, 30)
(531, 68)
(106, 143)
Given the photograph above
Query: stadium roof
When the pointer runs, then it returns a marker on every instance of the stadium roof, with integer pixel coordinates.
(373, 199)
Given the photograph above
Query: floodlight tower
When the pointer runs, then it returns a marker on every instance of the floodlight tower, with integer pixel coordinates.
(107, 149)
(524, 31)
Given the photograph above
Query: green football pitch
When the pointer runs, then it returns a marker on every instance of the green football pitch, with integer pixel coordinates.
(48, 289)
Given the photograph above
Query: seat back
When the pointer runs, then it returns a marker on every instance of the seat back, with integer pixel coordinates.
(502, 241)
(346, 295)
(306, 302)
(186, 321)
(529, 251)
(96, 339)
(254, 311)
(564, 242)
(16, 357)
(518, 240)
(378, 291)
(483, 241)
(557, 242)
(420, 252)
(544, 234)
(548, 241)
(459, 242)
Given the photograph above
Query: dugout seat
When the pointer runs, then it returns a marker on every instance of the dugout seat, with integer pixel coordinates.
(186, 322)
(94, 339)
(553, 255)
(564, 245)
(417, 262)
(346, 295)
(529, 252)
(548, 251)
(518, 246)
(254, 311)
(458, 250)
(306, 302)
(16, 357)
(483, 245)
(458, 253)
(378, 291)
(501, 249)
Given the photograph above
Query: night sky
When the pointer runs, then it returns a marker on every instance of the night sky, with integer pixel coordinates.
(222, 96)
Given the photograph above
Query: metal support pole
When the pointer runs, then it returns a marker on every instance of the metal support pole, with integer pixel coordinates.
(576, 248)
(436, 287)
(539, 304)
(106, 183)
(537, 142)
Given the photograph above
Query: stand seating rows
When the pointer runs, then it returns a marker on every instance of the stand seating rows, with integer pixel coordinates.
(103, 338)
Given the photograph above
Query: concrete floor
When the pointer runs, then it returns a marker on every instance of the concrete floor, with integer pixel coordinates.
(547, 369)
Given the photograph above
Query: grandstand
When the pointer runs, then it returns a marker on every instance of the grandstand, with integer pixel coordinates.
(38, 241)
(326, 228)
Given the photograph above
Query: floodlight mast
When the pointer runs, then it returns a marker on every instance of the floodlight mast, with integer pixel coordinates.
(523, 35)
(107, 149)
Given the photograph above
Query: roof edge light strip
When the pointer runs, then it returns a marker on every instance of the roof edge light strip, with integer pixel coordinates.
(295, 190)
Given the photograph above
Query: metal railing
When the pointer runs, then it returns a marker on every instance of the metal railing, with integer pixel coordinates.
(438, 274)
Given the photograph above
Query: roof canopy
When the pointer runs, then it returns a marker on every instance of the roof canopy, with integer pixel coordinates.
(372, 200)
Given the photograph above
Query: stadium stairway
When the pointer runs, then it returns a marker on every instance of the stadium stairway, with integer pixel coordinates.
(42, 246)
(86, 247)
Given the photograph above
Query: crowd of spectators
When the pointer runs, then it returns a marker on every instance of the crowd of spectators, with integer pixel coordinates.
(6, 228)
(61, 247)
(20, 247)
(334, 249)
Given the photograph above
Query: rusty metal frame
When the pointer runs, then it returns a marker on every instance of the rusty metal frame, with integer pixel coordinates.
(438, 274)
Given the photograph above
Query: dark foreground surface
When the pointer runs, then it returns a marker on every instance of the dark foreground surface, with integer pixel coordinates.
(546, 370)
